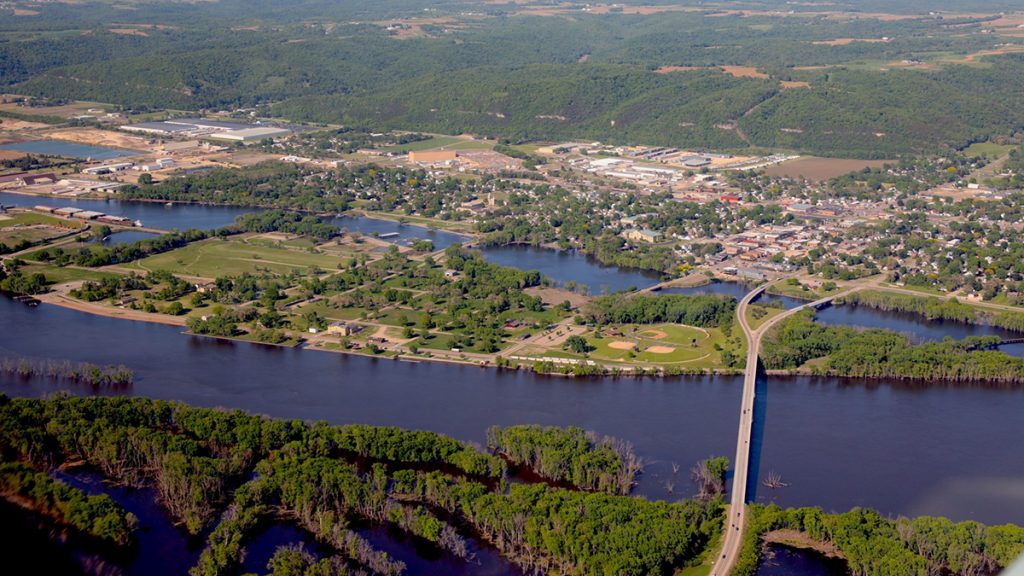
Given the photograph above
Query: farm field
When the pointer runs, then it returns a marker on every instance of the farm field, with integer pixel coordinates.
(814, 168)
(214, 257)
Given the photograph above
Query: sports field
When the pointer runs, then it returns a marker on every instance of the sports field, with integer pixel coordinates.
(658, 344)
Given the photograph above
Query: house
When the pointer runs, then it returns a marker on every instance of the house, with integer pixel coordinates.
(341, 328)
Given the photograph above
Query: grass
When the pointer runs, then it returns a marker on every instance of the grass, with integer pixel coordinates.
(770, 313)
(430, 144)
(56, 275)
(800, 291)
(214, 258)
(987, 149)
(29, 219)
(680, 338)
(451, 226)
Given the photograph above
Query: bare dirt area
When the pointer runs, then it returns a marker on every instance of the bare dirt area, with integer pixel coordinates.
(848, 41)
(555, 296)
(653, 334)
(96, 137)
(24, 12)
(17, 125)
(11, 154)
(793, 84)
(58, 299)
(127, 31)
(661, 350)
(744, 72)
(813, 168)
(799, 539)
(622, 345)
(670, 69)
(972, 58)
(244, 159)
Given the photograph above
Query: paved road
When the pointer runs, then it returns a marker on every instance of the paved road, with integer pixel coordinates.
(736, 524)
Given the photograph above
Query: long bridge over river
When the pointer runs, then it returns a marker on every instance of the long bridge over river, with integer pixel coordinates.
(735, 525)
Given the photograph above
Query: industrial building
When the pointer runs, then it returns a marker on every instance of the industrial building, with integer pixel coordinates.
(251, 134)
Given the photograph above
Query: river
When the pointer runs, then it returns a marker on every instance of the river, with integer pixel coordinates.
(903, 449)
(565, 266)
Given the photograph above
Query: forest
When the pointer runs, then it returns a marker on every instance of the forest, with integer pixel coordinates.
(230, 471)
(882, 354)
(512, 74)
(874, 545)
(707, 311)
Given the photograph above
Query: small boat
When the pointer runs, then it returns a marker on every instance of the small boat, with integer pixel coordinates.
(28, 300)
(169, 204)
(138, 223)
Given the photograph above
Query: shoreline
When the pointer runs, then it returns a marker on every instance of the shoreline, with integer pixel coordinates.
(610, 371)
(62, 301)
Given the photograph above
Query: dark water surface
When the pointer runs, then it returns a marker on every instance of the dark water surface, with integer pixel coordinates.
(152, 214)
(67, 149)
(565, 266)
(407, 233)
(779, 560)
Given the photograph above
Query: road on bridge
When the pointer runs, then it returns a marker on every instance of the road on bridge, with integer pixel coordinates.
(736, 523)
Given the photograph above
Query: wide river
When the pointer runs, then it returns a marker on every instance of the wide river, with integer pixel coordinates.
(902, 449)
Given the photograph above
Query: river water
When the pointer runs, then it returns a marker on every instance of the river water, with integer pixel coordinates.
(903, 449)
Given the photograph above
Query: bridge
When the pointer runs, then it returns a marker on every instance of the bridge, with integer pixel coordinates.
(735, 525)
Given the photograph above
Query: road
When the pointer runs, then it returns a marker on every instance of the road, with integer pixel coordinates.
(733, 542)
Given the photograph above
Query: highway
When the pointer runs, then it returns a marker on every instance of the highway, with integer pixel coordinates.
(736, 523)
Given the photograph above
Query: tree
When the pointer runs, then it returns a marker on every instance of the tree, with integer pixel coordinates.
(578, 344)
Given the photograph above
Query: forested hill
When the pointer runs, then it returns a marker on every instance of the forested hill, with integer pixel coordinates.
(846, 81)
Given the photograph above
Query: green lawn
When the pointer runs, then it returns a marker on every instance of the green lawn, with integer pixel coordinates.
(28, 219)
(987, 149)
(215, 257)
(435, 142)
(56, 275)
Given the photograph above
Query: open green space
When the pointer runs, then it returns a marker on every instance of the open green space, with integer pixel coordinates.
(430, 144)
(215, 257)
(61, 275)
(988, 149)
(658, 344)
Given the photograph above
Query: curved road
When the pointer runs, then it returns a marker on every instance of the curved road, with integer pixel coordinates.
(736, 524)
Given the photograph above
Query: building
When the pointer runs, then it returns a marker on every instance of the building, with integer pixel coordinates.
(696, 161)
(432, 156)
(341, 328)
(34, 179)
(251, 134)
(162, 128)
(640, 235)
(108, 168)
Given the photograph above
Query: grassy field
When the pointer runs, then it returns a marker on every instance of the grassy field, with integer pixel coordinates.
(56, 275)
(432, 143)
(769, 313)
(213, 258)
(987, 149)
(28, 219)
